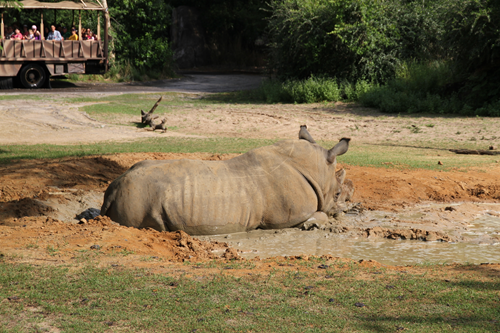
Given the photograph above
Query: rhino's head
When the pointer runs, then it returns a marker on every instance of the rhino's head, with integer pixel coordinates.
(322, 174)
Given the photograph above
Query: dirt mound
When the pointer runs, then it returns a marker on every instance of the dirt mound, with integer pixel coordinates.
(384, 189)
(48, 237)
(49, 187)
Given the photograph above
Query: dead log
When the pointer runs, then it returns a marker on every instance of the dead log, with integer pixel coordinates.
(147, 117)
(475, 152)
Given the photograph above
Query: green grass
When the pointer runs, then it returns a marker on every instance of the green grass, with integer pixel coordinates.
(95, 300)
(412, 157)
(132, 103)
(22, 97)
(311, 90)
(165, 144)
(382, 155)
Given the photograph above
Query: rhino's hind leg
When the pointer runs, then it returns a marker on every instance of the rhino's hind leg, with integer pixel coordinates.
(153, 223)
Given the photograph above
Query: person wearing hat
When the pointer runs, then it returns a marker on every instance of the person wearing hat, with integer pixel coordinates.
(36, 33)
(65, 33)
(73, 36)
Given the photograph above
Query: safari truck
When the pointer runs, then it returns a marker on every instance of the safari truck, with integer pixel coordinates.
(32, 62)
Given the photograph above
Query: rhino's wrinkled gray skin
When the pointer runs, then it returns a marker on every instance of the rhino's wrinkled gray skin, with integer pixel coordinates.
(276, 186)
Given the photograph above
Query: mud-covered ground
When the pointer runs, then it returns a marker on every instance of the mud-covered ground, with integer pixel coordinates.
(40, 201)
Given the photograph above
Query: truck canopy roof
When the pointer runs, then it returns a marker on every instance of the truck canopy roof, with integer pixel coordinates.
(72, 5)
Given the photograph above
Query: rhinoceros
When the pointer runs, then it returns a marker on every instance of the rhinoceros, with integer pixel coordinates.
(271, 187)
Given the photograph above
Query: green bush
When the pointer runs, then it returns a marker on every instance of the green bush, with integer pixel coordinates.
(420, 88)
(352, 39)
(140, 37)
(311, 90)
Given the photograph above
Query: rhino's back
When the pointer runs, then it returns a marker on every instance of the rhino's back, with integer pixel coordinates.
(209, 197)
(199, 197)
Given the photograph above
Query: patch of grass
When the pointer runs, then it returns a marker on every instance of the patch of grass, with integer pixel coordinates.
(422, 155)
(165, 144)
(349, 299)
(126, 252)
(419, 156)
(133, 103)
(51, 250)
(423, 88)
(21, 97)
(415, 129)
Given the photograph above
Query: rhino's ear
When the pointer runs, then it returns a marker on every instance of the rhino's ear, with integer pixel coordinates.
(143, 113)
(339, 149)
(304, 134)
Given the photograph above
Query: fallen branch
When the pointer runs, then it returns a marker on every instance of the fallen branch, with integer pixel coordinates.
(147, 117)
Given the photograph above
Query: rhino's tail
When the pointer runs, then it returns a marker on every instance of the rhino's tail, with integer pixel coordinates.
(109, 199)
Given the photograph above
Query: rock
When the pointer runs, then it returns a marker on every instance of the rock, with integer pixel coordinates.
(310, 225)
(95, 247)
(492, 148)
(359, 304)
(410, 234)
(450, 209)
(231, 253)
(88, 214)
(440, 163)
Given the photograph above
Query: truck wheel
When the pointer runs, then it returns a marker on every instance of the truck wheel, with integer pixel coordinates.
(32, 76)
(6, 83)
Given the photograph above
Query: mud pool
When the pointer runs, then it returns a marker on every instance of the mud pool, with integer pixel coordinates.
(425, 233)
(464, 233)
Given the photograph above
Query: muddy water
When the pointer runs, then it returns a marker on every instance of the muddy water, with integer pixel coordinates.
(474, 230)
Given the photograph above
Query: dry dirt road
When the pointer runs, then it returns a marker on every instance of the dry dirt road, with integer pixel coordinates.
(188, 83)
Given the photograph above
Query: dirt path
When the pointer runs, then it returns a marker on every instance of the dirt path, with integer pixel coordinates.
(56, 122)
(189, 83)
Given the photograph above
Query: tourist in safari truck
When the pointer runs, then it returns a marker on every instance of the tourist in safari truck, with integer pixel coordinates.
(47, 53)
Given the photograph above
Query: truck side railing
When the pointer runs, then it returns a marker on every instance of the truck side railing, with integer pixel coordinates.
(43, 50)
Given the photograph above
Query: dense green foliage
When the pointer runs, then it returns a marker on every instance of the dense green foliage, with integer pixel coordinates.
(140, 34)
(350, 39)
(436, 56)
(310, 90)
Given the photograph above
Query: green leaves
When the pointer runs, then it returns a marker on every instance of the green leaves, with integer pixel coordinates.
(140, 37)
